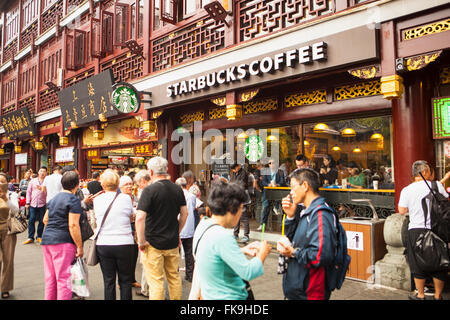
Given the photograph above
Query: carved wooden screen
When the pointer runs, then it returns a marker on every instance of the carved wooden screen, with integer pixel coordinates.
(258, 18)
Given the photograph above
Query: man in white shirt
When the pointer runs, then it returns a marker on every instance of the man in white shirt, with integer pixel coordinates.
(52, 183)
(411, 202)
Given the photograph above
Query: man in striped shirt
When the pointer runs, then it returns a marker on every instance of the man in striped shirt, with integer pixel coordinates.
(36, 202)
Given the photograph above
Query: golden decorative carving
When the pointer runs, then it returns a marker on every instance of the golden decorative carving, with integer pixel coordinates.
(368, 72)
(444, 75)
(221, 101)
(248, 95)
(264, 105)
(392, 86)
(217, 113)
(234, 111)
(304, 98)
(364, 89)
(191, 117)
(156, 114)
(421, 61)
(426, 30)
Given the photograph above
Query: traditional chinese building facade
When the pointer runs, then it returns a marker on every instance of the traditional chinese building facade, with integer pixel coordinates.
(372, 66)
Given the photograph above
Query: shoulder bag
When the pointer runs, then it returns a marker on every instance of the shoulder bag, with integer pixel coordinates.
(91, 253)
(250, 295)
(17, 222)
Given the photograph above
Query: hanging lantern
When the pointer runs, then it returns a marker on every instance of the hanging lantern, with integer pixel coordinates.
(234, 112)
(2, 151)
(348, 132)
(336, 148)
(320, 127)
(17, 149)
(99, 134)
(306, 143)
(357, 150)
(38, 145)
(376, 137)
(63, 141)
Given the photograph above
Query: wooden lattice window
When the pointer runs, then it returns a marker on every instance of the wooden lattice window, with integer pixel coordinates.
(169, 11)
(28, 35)
(70, 49)
(10, 50)
(27, 81)
(9, 91)
(12, 25)
(96, 38)
(122, 24)
(48, 100)
(125, 67)
(107, 32)
(29, 103)
(29, 12)
(48, 19)
(50, 66)
(80, 38)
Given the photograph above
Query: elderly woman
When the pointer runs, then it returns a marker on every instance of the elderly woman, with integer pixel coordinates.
(126, 187)
(8, 206)
(61, 239)
(217, 252)
(115, 243)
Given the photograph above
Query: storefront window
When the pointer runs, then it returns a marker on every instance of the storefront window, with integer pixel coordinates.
(360, 148)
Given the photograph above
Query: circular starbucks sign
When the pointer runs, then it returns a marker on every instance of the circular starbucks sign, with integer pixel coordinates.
(125, 98)
(254, 148)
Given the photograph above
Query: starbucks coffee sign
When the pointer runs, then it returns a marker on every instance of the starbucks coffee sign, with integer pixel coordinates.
(125, 98)
(254, 148)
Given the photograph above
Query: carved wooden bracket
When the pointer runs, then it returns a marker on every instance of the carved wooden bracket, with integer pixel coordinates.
(421, 61)
(367, 72)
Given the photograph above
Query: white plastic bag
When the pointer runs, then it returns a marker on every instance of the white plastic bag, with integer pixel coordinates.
(79, 278)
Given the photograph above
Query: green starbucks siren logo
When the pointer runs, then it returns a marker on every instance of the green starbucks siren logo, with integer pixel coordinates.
(125, 98)
(254, 148)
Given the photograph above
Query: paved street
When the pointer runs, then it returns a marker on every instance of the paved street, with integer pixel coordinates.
(29, 280)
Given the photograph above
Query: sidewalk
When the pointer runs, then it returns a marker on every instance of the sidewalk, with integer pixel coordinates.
(29, 280)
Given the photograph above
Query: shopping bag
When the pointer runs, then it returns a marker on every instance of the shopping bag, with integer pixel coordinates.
(79, 278)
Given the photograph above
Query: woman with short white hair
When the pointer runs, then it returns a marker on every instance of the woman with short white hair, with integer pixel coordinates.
(115, 243)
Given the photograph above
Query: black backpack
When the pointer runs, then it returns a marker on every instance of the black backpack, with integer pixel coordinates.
(439, 211)
(341, 259)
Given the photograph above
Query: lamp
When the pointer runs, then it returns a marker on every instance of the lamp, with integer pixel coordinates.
(306, 143)
(217, 12)
(320, 127)
(242, 135)
(336, 148)
(348, 132)
(376, 137)
(357, 150)
(271, 138)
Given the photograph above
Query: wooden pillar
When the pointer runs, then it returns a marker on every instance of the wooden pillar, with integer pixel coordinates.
(412, 132)
(169, 127)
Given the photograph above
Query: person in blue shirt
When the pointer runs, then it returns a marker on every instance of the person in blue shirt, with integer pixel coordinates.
(222, 265)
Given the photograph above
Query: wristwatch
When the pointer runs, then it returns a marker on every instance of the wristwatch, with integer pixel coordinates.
(294, 253)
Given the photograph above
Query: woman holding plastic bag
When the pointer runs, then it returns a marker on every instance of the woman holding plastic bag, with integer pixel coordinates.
(61, 240)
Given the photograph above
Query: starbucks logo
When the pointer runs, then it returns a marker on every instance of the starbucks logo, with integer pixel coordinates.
(254, 148)
(125, 99)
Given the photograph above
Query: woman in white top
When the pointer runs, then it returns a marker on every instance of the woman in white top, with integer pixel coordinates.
(115, 243)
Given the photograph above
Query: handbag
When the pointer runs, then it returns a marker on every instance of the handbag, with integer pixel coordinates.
(17, 221)
(91, 253)
(85, 227)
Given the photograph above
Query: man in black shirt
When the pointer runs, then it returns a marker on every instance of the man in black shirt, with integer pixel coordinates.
(95, 186)
(158, 230)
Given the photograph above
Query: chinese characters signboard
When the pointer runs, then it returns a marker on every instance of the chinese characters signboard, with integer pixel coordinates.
(145, 150)
(86, 100)
(18, 124)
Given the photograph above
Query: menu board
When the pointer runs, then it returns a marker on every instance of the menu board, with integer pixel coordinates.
(64, 154)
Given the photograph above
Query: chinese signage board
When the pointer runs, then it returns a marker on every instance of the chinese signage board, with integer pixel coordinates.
(18, 124)
(92, 154)
(21, 159)
(441, 118)
(64, 155)
(118, 152)
(145, 150)
(221, 168)
(86, 100)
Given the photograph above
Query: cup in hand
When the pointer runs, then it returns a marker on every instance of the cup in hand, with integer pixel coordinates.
(375, 184)
(285, 241)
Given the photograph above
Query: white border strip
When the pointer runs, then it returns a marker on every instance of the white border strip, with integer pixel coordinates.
(6, 66)
(45, 36)
(23, 53)
(74, 14)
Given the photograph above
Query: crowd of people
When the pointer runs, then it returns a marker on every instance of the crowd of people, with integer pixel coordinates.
(145, 217)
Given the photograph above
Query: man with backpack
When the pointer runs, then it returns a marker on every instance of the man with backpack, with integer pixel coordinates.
(316, 237)
(411, 202)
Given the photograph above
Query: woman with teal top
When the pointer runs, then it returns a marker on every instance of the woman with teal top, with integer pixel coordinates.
(358, 179)
(221, 264)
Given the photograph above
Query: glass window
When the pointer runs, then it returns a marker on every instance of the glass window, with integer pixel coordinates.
(141, 19)
(133, 21)
(156, 15)
(361, 149)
